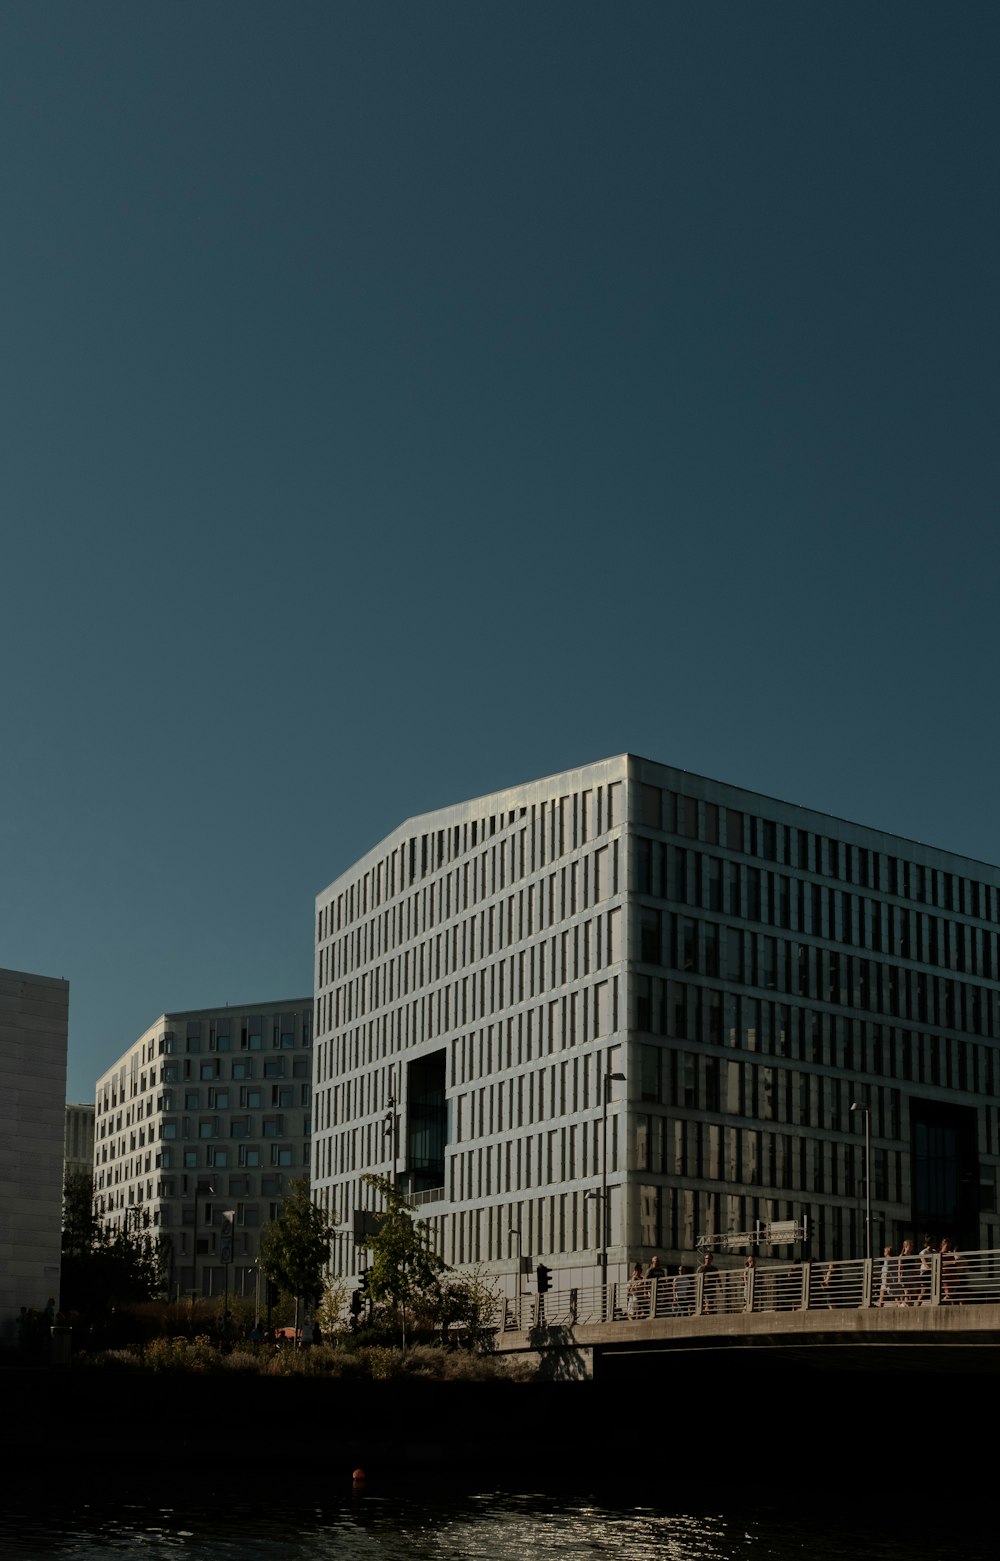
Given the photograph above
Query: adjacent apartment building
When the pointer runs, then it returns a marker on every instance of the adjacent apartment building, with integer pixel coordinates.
(699, 978)
(78, 1147)
(34, 1015)
(208, 1112)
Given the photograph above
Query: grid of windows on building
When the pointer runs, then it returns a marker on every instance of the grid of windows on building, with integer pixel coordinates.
(208, 1112)
(488, 973)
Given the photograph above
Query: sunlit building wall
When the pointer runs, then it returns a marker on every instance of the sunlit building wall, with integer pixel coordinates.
(208, 1111)
(752, 968)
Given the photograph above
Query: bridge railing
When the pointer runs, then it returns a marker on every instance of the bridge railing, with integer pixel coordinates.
(932, 1279)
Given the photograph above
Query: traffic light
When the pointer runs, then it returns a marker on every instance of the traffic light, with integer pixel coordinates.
(357, 1303)
(543, 1275)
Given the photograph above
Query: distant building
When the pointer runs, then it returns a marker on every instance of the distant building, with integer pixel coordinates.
(208, 1111)
(78, 1149)
(488, 972)
(34, 1013)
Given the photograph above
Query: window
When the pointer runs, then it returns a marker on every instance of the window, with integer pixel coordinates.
(242, 1068)
(218, 1035)
(192, 1100)
(281, 1155)
(249, 1155)
(190, 1159)
(649, 937)
(251, 1098)
(218, 1157)
(649, 1077)
(219, 1098)
(273, 1127)
(208, 1127)
(274, 1067)
(281, 1095)
(168, 1129)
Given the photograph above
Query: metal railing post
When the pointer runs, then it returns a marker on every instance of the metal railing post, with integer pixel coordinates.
(866, 1282)
(936, 1279)
(806, 1271)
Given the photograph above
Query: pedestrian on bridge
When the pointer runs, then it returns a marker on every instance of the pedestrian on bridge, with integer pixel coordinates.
(636, 1295)
(683, 1292)
(709, 1283)
(656, 1277)
(888, 1288)
(908, 1274)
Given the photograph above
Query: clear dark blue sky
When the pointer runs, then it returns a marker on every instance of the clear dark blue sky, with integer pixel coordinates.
(401, 401)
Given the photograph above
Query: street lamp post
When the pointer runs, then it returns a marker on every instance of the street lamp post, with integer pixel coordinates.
(857, 1106)
(390, 1126)
(609, 1078)
(200, 1188)
(515, 1230)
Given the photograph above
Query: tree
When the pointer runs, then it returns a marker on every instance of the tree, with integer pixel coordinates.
(295, 1247)
(471, 1302)
(104, 1266)
(404, 1270)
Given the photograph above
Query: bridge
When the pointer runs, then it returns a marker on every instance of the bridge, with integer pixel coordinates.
(943, 1299)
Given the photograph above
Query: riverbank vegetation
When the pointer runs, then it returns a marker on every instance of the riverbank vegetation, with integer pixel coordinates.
(364, 1362)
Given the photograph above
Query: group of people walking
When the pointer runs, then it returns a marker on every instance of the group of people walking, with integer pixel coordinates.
(672, 1295)
(906, 1278)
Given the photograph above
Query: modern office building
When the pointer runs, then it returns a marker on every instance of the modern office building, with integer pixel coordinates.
(78, 1147)
(207, 1112)
(704, 979)
(34, 1015)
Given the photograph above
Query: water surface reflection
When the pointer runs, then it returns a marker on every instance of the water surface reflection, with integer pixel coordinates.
(407, 1526)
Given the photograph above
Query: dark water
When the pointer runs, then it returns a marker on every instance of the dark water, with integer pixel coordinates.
(223, 1525)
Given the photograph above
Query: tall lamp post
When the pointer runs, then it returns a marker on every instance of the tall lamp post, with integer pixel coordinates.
(200, 1188)
(390, 1126)
(609, 1078)
(857, 1106)
(515, 1230)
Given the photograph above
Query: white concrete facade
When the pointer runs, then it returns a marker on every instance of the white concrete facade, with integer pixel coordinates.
(469, 987)
(208, 1111)
(34, 1016)
(752, 968)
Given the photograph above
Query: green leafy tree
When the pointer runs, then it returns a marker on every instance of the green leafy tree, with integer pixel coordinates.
(295, 1247)
(405, 1271)
(471, 1303)
(104, 1267)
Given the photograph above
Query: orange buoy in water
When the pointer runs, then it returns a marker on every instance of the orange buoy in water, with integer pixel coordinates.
(358, 1476)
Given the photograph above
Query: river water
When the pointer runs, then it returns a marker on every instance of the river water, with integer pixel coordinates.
(409, 1526)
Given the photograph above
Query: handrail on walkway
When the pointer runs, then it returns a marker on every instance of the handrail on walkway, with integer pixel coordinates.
(917, 1279)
